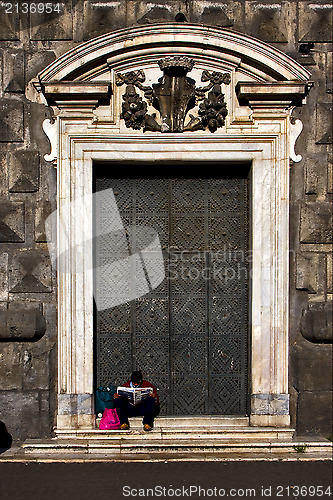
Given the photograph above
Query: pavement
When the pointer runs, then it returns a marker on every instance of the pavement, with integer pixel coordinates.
(103, 480)
(66, 475)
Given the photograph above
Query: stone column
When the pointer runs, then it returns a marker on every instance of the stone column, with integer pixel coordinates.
(271, 102)
(76, 102)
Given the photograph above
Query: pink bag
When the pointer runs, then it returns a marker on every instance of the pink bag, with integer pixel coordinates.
(109, 420)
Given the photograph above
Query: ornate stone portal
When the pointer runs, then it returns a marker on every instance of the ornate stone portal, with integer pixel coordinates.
(173, 97)
(251, 124)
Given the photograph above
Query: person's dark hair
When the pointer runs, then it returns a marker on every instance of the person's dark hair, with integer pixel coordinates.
(136, 377)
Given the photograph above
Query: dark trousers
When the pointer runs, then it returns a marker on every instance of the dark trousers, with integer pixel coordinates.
(147, 409)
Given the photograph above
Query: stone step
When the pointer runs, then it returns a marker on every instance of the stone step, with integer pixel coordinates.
(128, 448)
(175, 434)
(177, 437)
(191, 422)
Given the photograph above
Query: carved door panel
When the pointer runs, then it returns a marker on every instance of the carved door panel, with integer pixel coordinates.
(189, 335)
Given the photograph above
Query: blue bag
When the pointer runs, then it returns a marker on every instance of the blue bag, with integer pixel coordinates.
(104, 398)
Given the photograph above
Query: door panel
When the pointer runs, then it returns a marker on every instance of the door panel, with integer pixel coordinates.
(189, 336)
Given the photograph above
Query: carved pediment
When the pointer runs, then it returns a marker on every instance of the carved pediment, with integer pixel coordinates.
(173, 79)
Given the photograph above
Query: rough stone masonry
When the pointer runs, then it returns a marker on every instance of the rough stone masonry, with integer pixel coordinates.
(29, 41)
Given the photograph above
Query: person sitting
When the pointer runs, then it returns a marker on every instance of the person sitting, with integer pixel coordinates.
(149, 408)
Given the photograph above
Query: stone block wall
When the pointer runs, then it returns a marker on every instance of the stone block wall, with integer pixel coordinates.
(28, 319)
(28, 326)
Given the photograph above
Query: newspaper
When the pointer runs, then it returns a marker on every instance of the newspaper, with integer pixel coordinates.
(135, 395)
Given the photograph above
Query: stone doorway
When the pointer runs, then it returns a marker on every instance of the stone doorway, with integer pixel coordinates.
(188, 335)
(262, 87)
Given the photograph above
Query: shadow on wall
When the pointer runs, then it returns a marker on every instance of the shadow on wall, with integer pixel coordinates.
(5, 438)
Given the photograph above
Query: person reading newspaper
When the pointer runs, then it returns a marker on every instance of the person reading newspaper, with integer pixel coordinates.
(135, 395)
(129, 404)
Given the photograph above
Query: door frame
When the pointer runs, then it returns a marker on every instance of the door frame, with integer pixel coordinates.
(269, 209)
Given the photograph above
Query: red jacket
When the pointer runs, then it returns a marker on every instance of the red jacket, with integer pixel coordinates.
(145, 383)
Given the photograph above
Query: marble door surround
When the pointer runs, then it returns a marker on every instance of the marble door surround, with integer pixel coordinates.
(264, 87)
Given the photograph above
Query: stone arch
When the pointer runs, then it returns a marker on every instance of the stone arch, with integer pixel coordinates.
(89, 60)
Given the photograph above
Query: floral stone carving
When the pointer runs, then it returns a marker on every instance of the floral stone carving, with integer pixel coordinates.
(213, 110)
(134, 109)
(174, 96)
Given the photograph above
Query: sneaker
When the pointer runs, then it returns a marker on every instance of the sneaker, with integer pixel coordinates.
(124, 427)
(147, 428)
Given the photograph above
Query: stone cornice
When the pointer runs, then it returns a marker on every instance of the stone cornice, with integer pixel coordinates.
(272, 94)
(75, 94)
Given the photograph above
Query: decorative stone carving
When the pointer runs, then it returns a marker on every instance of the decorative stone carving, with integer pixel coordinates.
(296, 127)
(214, 78)
(213, 110)
(50, 130)
(132, 78)
(175, 92)
(173, 97)
(77, 95)
(272, 95)
(134, 109)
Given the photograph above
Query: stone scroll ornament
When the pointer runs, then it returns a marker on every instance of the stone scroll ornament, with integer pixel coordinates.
(173, 97)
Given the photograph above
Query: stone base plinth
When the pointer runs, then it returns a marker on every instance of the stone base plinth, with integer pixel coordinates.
(76, 421)
(269, 420)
